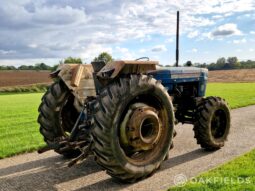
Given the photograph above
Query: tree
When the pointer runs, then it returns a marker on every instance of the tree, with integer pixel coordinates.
(221, 61)
(220, 64)
(23, 67)
(54, 68)
(203, 65)
(72, 60)
(188, 63)
(233, 62)
(10, 68)
(42, 66)
(104, 56)
(30, 67)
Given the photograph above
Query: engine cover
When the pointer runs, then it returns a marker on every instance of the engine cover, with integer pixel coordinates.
(182, 75)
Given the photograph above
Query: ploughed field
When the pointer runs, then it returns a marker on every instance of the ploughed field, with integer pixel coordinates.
(243, 75)
(23, 77)
(19, 78)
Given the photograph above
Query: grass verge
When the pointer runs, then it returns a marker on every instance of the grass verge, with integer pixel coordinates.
(24, 89)
(236, 175)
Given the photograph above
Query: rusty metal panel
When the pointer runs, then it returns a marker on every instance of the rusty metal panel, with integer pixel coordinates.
(134, 69)
(112, 69)
(79, 79)
(77, 75)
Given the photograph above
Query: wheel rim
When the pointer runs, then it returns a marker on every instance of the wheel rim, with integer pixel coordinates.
(141, 128)
(218, 124)
(142, 132)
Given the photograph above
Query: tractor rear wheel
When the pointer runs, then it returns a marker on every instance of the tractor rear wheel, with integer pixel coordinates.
(133, 127)
(212, 123)
(57, 116)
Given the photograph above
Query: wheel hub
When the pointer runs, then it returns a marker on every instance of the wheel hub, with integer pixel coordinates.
(142, 128)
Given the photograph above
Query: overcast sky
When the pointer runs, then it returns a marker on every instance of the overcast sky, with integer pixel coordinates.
(50, 30)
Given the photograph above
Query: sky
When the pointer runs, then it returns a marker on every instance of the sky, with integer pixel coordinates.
(35, 31)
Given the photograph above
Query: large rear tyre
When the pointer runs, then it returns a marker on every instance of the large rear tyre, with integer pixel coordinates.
(212, 123)
(133, 127)
(57, 116)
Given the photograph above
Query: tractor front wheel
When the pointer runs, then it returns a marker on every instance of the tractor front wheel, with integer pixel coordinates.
(212, 123)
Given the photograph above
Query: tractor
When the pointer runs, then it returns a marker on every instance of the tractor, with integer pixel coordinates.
(124, 112)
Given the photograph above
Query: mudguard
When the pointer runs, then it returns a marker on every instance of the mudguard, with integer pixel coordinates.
(79, 79)
(114, 68)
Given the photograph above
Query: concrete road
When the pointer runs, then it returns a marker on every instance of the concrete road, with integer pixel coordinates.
(48, 171)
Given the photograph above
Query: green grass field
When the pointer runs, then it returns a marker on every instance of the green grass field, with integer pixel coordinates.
(236, 94)
(236, 175)
(19, 131)
(18, 126)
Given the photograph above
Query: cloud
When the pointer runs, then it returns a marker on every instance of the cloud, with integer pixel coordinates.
(7, 52)
(243, 40)
(58, 16)
(193, 34)
(146, 38)
(92, 50)
(252, 32)
(194, 50)
(226, 30)
(159, 48)
(124, 53)
(142, 50)
(57, 29)
(38, 16)
(33, 45)
(169, 40)
(228, 14)
(218, 16)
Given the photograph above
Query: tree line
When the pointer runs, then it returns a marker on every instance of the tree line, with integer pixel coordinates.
(221, 64)
(43, 66)
(70, 60)
(225, 64)
(40, 66)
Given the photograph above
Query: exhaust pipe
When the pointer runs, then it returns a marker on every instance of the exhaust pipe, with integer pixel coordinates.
(177, 40)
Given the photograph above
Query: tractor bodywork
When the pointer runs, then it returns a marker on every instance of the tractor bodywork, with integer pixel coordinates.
(84, 82)
(175, 77)
(186, 85)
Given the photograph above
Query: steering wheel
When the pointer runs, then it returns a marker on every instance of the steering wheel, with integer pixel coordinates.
(142, 58)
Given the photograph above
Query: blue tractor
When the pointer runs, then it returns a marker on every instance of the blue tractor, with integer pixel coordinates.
(124, 113)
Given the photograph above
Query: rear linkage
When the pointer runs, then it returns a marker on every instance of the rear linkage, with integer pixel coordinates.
(79, 139)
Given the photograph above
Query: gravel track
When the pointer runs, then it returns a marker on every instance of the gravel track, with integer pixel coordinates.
(48, 171)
